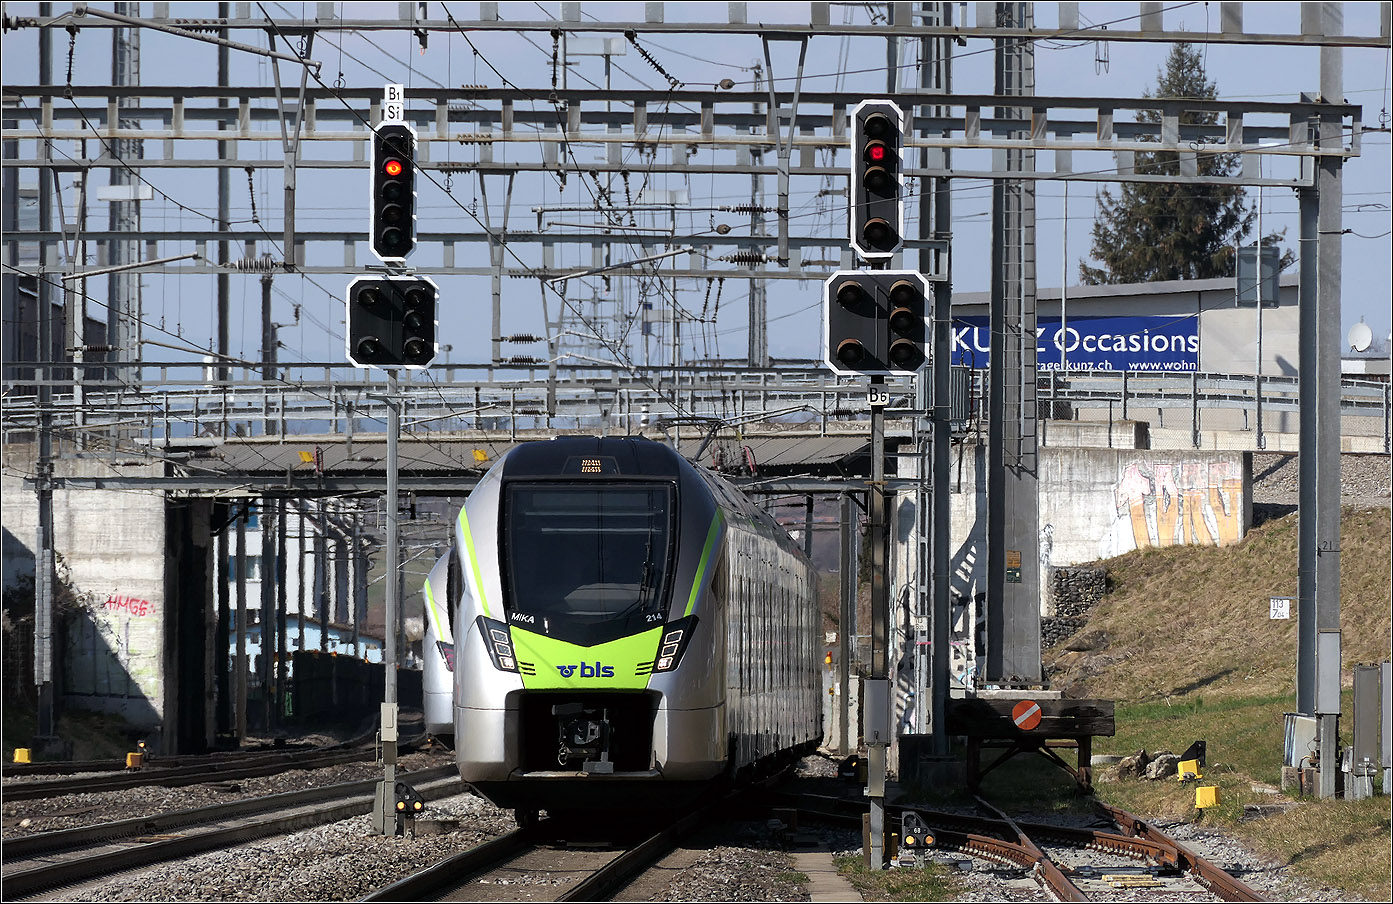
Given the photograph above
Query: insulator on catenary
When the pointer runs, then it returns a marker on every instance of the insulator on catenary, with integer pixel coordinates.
(747, 208)
(521, 337)
(521, 360)
(746, 257)
(253, 264)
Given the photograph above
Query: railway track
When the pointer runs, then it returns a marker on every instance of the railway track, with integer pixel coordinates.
(53, 860)
(1074, 864)
(554, 864)
(196, 770)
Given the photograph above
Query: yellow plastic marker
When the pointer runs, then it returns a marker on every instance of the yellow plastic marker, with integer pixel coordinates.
(133, 760)
(21, 754)
(1206, 796)
(1188, 769)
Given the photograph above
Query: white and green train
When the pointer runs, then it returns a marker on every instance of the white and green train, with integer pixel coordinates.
(438, 648)
(627, 629)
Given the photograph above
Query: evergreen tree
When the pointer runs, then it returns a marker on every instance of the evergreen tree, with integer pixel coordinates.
(1173, 230)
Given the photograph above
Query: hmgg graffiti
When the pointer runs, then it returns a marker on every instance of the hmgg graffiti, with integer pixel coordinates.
(1185, 502)
(133, 605)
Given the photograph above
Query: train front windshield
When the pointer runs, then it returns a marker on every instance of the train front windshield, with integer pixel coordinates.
(588, 563)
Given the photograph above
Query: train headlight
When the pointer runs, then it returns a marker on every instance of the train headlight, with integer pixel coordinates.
(674, 642)
(499, 644)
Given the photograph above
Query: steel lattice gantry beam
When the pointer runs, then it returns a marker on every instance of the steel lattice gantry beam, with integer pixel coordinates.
(1133, 22)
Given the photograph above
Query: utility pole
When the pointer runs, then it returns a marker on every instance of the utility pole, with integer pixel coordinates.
(45, 562)
(758, 336)
(1013, 575)
(281, 657)
(878, 699)
(123, 292)
(1318, 543)
(935, 221)
(240, 660)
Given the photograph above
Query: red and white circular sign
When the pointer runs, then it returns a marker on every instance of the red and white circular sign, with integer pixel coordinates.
(1026, 715)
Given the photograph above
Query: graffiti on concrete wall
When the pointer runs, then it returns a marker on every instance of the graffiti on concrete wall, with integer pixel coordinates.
(1161, 503)
(113, 648)
(133, 605)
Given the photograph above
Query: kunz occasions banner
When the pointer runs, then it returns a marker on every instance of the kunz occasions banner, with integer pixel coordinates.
(1157, 343)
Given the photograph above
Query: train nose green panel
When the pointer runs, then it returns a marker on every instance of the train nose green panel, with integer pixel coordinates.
(548, 664)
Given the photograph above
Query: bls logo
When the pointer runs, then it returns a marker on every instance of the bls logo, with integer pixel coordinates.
(587, 670)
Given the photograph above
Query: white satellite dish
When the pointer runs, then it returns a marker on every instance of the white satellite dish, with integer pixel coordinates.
(1360, 337)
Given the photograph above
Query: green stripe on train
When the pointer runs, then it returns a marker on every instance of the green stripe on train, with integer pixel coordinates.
(473, 562)
(711, 534)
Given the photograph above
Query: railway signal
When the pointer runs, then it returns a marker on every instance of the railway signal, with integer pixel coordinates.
(393, 226)
(392, 321)
(875, 322)
(915, 837)
(877, 189)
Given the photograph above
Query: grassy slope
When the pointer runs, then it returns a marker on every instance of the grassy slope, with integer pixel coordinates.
(1185, 646)
(1183, 619)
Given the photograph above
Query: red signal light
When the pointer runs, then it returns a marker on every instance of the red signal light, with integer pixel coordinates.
(392, 167)
(876, 153)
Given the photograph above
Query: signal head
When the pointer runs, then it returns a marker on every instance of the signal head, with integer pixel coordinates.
(878, 125)
(392, 229)
(850, 293)
(391, 321)
(876, 197)
(851, 352)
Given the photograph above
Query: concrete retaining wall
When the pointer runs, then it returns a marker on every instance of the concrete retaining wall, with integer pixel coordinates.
(1094, 504)
(111, 548)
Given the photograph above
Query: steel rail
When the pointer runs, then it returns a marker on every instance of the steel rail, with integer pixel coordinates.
(600, 885)
(1208, 874)
(980, 836)
(29, 846)
(450, 872)
(71, 767)
(88, 866)
(610, 878)
(1047, 870)
(261, 765)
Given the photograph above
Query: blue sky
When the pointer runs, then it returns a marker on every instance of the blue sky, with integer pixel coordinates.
(327, 200)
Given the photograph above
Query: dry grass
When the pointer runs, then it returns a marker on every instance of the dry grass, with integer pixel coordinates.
(1188, 619)
(1185, 646)
(1346, 840)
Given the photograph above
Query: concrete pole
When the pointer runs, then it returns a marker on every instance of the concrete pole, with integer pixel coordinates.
(300, 572)
(321, 605)
(355, 568)
(1013, 565)
(123, 293)
(224, 193)
(268, 347)
(847, 622)
(1327, 450)
(45, 561)
(267, 614)
(221, 636)
(240, 666)
(281, 658)
(935, 218)
(876, 705)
